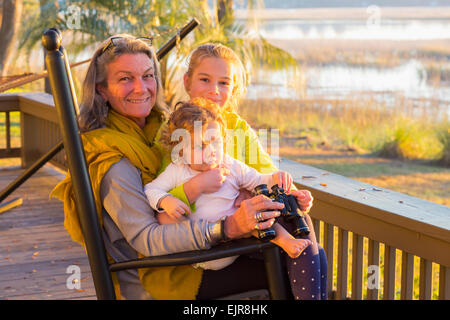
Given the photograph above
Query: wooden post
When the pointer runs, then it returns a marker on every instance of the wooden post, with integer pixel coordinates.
(407, 276)
(357, 266)
(342, 267)
(389, 273)
(373, 255)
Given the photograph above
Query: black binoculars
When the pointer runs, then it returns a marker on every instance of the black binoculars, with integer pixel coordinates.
(291, 213)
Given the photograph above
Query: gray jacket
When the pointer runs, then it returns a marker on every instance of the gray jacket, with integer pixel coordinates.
(130, 226)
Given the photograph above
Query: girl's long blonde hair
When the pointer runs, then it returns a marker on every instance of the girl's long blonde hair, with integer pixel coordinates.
(93, 108)
(211, 50)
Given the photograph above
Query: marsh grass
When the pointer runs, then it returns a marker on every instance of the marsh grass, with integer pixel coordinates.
(365, 126)
(411, 139)
(443, 135)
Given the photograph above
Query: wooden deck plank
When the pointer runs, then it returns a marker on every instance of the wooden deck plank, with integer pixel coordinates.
(35, 249)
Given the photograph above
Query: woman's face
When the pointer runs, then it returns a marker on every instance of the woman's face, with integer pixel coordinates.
(131, 86)
(211, 79)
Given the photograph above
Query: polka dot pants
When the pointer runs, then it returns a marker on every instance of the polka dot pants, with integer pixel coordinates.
(308, 274)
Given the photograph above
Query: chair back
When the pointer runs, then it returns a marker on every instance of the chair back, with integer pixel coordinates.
(66, 106)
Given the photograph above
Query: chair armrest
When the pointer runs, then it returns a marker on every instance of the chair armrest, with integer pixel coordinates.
(228, 249)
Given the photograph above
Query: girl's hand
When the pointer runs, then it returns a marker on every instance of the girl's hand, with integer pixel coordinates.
(304, 199)
(175, 208)
(283, 179)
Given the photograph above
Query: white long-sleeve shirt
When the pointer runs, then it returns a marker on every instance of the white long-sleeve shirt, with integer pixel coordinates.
(209, 206)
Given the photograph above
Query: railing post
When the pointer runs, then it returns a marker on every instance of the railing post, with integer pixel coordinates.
(389, 273)
(444, 283)
(357, 266)
(328, 246)
(8, 131)
(341, 291)
(373, 260)
(407, 276)
(425, 279)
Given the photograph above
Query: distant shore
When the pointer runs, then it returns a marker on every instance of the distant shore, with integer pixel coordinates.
(345, 13)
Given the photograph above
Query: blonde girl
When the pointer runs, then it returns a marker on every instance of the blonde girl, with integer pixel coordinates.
(215, 72)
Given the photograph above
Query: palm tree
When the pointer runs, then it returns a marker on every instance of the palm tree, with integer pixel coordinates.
(11, 13)
(98, 19)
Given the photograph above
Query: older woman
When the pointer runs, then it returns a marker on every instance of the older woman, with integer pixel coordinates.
(121, 112)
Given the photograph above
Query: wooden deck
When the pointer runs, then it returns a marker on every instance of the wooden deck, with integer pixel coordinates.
(35, 249)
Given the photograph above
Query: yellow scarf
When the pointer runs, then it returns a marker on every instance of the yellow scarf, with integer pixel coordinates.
(103, 147)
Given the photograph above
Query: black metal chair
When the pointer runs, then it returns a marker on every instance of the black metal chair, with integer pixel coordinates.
(65, 102)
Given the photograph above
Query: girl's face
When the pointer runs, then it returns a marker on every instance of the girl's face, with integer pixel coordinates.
(211, 79)
(208, 148)
(131, 86)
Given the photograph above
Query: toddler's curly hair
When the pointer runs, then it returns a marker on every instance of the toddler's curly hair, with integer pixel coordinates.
(184, 116)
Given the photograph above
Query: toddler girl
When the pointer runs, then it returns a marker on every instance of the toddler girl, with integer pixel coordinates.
(200, 126)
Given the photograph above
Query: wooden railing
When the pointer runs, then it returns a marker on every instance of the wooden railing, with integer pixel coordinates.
(348, 212)
(372, 236)
(38, 125)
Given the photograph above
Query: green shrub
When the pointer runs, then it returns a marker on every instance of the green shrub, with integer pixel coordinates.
(443, 135)
(411, 139)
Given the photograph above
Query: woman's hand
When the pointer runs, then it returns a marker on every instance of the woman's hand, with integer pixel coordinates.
(283, 179)
(304, 199)
(243, 221)
(174, 208)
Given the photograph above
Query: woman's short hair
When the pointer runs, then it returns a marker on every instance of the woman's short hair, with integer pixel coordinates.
(93, 108)
(215, 50)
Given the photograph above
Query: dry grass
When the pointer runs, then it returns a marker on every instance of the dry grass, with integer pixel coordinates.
(433, 54)
(418, 179)
(345, 137)
(361, 125)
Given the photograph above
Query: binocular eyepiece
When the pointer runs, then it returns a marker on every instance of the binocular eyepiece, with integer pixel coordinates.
(291, 213)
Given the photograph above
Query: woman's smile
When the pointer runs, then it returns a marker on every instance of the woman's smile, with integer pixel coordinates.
(138, 101)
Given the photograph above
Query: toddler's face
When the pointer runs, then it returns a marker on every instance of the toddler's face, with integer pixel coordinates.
(207, 151)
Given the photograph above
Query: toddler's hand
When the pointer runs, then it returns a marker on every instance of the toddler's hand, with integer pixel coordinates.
(164, 218)
(211, 181)
(283, 179)
(174, 207)
(244, 194)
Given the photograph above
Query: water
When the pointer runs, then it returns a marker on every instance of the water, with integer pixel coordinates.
(408, 80)
(415, 30)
